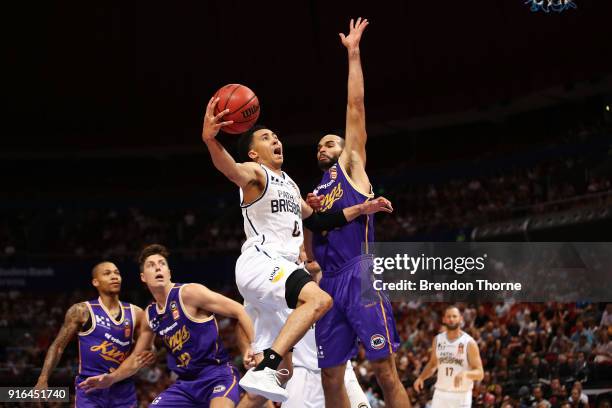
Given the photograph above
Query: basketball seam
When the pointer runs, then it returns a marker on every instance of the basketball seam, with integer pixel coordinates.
(230, 96)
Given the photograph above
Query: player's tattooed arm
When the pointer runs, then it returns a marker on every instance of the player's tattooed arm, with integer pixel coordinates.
(243, 175)
(75, 317)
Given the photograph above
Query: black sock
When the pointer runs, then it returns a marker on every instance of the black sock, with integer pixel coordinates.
(271, 359)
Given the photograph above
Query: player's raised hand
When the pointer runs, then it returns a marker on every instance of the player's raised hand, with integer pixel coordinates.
(418, 384)
(314, 201)
(96, 382)
(213, 123)
(379, 204)
(351, 41)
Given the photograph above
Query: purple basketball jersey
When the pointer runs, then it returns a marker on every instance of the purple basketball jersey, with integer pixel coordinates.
(333, 249)
(108, 342)
(193, 344)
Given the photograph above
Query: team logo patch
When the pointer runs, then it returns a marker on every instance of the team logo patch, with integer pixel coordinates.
(127, 328)
(219, 388)
(156, 401)
(333, 173)
(154, 323)
(175, 312)
(277, 274)
(377, 341)
(460, 349)
(103, 321)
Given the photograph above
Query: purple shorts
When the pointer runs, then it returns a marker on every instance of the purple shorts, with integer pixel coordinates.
(120, 395)
(214, 382)
(359, 312)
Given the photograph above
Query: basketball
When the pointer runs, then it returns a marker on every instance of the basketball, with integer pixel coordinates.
(243, 107)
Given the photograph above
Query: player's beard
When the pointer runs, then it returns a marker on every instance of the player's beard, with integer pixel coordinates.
(451, 326)
(324, 166)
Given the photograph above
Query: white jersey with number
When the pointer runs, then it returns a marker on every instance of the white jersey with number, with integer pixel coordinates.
(452, 360)
(274, 221)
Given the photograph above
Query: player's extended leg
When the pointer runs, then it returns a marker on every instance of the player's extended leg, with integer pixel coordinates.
(333, 387)
(312, 303)
(394, 392)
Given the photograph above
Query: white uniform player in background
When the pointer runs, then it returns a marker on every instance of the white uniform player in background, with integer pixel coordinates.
(456, 356)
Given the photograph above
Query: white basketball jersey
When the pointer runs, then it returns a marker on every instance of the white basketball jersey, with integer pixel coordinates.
(274, 221)
(452, 360)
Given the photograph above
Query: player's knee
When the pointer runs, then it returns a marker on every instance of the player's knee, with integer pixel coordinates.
(324, 303)
(294, 285)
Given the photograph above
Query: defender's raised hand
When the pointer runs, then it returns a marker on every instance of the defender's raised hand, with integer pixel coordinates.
(351, 41)
(376, 205)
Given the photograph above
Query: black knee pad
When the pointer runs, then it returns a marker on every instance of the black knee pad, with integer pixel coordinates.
(293, 286)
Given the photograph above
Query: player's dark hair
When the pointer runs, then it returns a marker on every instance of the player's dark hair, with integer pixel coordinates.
(95, 268)
(245, 141)
(155, 249)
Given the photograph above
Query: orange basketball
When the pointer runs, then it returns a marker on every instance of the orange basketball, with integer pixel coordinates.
(243, 107)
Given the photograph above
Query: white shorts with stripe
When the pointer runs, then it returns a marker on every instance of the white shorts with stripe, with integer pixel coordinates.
(261, 276)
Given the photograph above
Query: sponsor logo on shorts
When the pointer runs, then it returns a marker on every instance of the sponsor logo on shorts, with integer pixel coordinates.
(219, 388)
(277, 274)
(377, 341)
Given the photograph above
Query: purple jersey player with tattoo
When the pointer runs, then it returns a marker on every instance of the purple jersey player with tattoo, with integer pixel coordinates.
(339, 253)
(106, 328)
(183, 316)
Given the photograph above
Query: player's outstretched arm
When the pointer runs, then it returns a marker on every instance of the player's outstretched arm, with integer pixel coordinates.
(354, 154)
(326, 221)
(429, 369)
(203, 298)
(75, 317)
(476, 372)
(241, 174)
(129, 366)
